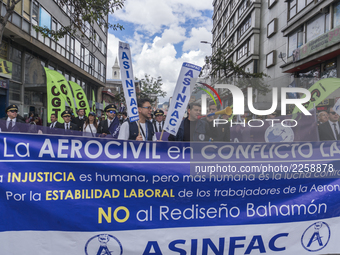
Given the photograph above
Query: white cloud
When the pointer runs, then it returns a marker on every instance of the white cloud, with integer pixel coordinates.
(196, 36)
(178, 23)
(149, 15)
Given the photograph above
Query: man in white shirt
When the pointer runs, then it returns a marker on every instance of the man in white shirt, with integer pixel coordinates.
(141, 130)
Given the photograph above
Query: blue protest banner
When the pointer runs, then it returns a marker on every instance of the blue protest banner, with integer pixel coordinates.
(76, 195)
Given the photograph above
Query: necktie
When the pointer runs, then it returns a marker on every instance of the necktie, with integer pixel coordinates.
(10, 125)
(336, 132)
(67, 126)
(160, 127)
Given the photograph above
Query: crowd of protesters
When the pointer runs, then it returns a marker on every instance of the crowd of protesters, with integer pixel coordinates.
(116, 125)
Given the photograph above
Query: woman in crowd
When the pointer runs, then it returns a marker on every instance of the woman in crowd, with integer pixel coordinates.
(90, 125)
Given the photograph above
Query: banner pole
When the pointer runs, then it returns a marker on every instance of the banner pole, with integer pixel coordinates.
(138, 127)
(161, 135)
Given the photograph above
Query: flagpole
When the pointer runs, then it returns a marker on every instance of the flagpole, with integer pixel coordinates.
(161, 135)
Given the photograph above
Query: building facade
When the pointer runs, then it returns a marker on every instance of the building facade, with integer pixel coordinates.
(80, 58)
(294, 42)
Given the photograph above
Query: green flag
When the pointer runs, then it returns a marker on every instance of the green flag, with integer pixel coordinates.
(55, 99)
(93, 102)
(80, 97)
(319, 92)
(104, 107)
(62, 84)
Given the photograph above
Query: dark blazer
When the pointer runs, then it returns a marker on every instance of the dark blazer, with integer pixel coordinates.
(21, 127)
(62, 126)
(79, 123)
(56, 124)
(104, 128)
(156, 125)
(326, 132)
(53, 130)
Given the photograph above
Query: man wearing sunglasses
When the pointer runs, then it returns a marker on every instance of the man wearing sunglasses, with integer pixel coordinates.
(11, 123)
(109, 126)
(145, 132)
(330, 130)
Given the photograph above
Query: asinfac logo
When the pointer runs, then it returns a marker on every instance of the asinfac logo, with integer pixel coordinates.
(316, 236)
(103, 244)
(278, 134)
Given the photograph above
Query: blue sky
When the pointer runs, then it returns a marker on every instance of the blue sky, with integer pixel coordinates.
(162, 35)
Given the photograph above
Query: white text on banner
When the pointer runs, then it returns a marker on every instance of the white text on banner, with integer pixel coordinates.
(181, 96)
(126, 71)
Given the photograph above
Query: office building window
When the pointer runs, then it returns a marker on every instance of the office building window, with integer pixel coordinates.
(271, 28)
(18, 8)
(317, 26)
(295, 40)
(27, 9)
(270, 59)
(15, 57)
(35, 14)
(336, 16)
(243, 7)
(14, 91)
(231, 23)
(242, 51)
(295, 6)
(244, 27)
(44, 18)
(271, 3)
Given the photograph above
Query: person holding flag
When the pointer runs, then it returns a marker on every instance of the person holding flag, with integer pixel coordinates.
(141, 130)
(110, 126)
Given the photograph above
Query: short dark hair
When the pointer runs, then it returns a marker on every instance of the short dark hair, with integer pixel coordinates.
(193, 104)
(141, 101)
(124, 113)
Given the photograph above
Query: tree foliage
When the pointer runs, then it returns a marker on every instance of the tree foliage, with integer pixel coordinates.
(149, 87)
(224, 70)
(81, 12)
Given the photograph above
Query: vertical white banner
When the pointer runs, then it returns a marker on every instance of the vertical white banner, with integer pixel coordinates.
(181, 96)
(125, 62)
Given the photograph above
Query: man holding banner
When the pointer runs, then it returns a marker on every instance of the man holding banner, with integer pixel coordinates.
(143, 130)
(110, 125)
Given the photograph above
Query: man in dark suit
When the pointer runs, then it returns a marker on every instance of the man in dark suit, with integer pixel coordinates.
(158, 123)
(111, 125)
(51, 127)
(330, 130)
(80, 120)
(11, 123)
(68, 126)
